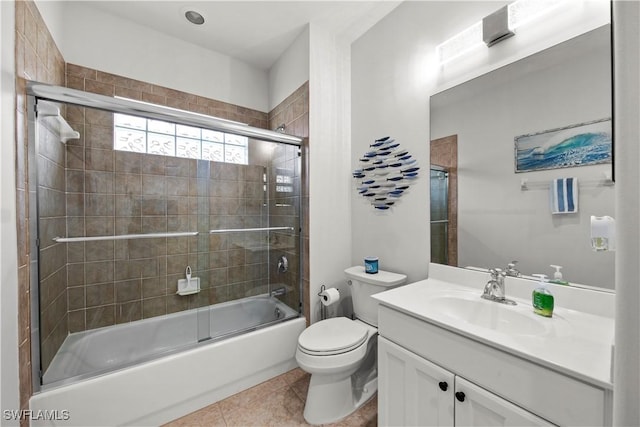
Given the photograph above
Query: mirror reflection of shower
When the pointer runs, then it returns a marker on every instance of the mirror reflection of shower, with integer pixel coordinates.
(444, 200)
(439, 201)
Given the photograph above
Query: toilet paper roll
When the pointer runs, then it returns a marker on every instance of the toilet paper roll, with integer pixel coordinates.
(329, 296)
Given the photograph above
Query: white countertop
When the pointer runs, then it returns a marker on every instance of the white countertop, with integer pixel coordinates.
(576, 343)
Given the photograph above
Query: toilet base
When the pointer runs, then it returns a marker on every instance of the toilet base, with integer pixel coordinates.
(329, 401)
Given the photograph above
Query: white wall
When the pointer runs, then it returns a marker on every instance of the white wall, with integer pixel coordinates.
(330, 39)
(9, 389)
(329, 189)
(96, 39)
(394, 73)
(290, 71)
(392, 77)
(626, 18)
(497, 221)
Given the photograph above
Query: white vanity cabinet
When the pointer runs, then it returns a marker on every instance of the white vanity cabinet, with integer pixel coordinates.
(411, 390)
(415, 392)
(415, 358)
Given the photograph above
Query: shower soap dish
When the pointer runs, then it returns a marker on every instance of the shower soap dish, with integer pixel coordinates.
(190, 285)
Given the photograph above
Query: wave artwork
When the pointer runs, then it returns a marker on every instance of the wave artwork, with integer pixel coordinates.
(577, 145)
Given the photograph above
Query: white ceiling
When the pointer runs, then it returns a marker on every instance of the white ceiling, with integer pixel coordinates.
(256, 32)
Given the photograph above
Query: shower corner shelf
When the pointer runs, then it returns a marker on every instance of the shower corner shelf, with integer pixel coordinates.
(48, 110)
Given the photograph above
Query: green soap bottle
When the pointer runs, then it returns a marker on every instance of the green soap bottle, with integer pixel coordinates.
(542, 299)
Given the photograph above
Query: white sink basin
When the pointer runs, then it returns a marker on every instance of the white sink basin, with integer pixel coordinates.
(577, 340)
(508, 319)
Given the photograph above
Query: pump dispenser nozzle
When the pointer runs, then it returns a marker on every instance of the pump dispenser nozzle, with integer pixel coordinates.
(557, 276)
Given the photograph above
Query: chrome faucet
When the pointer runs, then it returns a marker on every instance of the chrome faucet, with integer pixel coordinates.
(494, 289)
(512, 270)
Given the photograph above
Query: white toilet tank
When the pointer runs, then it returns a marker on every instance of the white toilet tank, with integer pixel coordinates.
(364, 285)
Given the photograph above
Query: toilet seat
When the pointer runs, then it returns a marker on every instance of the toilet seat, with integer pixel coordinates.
(332, 336)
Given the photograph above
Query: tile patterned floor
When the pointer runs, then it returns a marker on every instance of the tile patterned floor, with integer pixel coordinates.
(277, 402)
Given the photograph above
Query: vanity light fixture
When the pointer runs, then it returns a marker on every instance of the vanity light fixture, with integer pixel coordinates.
(494, 28)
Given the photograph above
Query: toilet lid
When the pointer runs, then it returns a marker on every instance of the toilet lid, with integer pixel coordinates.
(331, 336)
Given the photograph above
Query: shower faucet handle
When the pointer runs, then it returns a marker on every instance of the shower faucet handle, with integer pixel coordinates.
(283, 264)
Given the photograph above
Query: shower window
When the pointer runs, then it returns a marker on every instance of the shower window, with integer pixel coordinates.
(140, 135)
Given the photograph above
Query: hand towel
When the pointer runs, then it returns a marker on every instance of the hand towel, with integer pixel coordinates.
(564, 195)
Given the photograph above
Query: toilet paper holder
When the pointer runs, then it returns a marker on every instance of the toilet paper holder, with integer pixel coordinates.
(328, 297)
(323, 308)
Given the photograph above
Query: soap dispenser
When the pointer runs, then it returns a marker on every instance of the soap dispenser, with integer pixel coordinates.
(557, 276)
(541, 298)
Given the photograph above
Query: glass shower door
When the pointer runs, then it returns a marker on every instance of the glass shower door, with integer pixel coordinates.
(120, 216)
(145, 227)
(284, 201)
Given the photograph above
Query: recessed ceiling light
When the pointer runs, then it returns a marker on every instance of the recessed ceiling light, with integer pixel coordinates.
(194, 17)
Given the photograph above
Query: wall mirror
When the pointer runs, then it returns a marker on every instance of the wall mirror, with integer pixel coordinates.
(486, 214)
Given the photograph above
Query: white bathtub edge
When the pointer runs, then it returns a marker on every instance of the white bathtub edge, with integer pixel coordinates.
(165, 389)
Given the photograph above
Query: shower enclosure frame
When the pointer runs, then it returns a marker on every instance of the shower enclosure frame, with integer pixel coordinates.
(40, 91)
(444, 244)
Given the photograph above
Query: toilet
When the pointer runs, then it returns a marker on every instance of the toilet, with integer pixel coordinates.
(341, 354)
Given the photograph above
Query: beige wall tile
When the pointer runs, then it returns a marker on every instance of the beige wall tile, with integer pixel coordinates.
(128, 312)
(76, 321)
(93, 173)
(96, 295)
(99, 317)
(80, 71)
(152, 307)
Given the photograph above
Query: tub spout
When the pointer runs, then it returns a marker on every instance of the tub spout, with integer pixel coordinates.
(279, 292)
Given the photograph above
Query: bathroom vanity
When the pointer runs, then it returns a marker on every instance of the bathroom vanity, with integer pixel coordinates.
(448, 357)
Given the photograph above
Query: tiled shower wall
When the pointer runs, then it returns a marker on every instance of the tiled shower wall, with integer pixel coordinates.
(237, 265)
(113, 192)
(52, 256)
(37, 58)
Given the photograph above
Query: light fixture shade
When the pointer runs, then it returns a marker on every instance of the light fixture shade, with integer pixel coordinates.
(460, 43)
(523, 11)
(495, 27)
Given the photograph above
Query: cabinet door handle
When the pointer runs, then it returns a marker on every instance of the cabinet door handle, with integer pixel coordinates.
(460, 396)
(443, 385)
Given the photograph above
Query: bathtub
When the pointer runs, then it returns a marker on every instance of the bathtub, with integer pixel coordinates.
(152, 371)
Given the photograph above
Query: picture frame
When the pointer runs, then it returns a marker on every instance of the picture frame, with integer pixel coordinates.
(582, 144)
